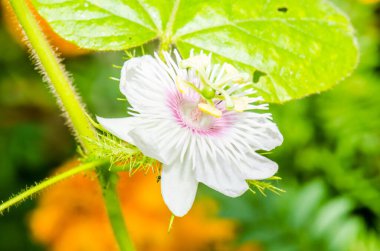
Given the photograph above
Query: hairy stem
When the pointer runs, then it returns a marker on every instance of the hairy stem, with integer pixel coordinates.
(113, 207)
(55, 74)
(48, 182)
(76, 116)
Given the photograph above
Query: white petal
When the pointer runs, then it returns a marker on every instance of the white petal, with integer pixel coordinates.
(120, 127)
(271, 136)
(222, 177)
(257, 167)
(145, 83)
(178, 188)
(259, 131)
(147, 144)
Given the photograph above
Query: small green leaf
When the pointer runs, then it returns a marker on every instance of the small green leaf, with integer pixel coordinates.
(302, 47)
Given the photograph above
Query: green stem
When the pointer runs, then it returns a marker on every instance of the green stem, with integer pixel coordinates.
(55, 73)
(50, 181)
(113, 207)
(166, 37)
(76, 115)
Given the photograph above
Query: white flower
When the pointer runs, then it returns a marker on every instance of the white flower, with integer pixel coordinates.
(182, 129)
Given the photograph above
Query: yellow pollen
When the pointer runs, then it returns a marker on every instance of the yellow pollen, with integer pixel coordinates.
(209, 109)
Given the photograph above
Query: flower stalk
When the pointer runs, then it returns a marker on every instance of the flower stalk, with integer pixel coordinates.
(48, 182)
(55, 74)
(77, 117)
(109, 182)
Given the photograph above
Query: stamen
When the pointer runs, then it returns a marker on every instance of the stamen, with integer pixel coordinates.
(227, 98)
(230, 86)
(230, 74)
(209, 109)
(241, 104)
(183, 85)
(230, 70)
(196, 62)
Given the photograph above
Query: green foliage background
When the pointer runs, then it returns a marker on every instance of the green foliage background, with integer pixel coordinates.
(330, 160)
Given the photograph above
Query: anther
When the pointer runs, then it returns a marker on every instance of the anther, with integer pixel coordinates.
(209, 109)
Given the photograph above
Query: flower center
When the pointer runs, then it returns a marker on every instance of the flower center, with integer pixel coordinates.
(195, 118)
(186, 112)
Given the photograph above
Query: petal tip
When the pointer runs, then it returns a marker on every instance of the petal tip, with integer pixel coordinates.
(178, 188)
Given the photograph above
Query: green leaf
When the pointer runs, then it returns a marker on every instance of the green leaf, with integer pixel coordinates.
(301, 46)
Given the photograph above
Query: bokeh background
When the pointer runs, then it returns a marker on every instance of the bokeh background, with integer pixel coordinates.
(329, 162)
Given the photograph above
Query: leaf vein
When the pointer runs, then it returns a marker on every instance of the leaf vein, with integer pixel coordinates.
(147, 12)
(115, 14)
(283, 20)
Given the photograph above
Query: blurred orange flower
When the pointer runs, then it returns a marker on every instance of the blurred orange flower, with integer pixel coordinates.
(71, 216)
